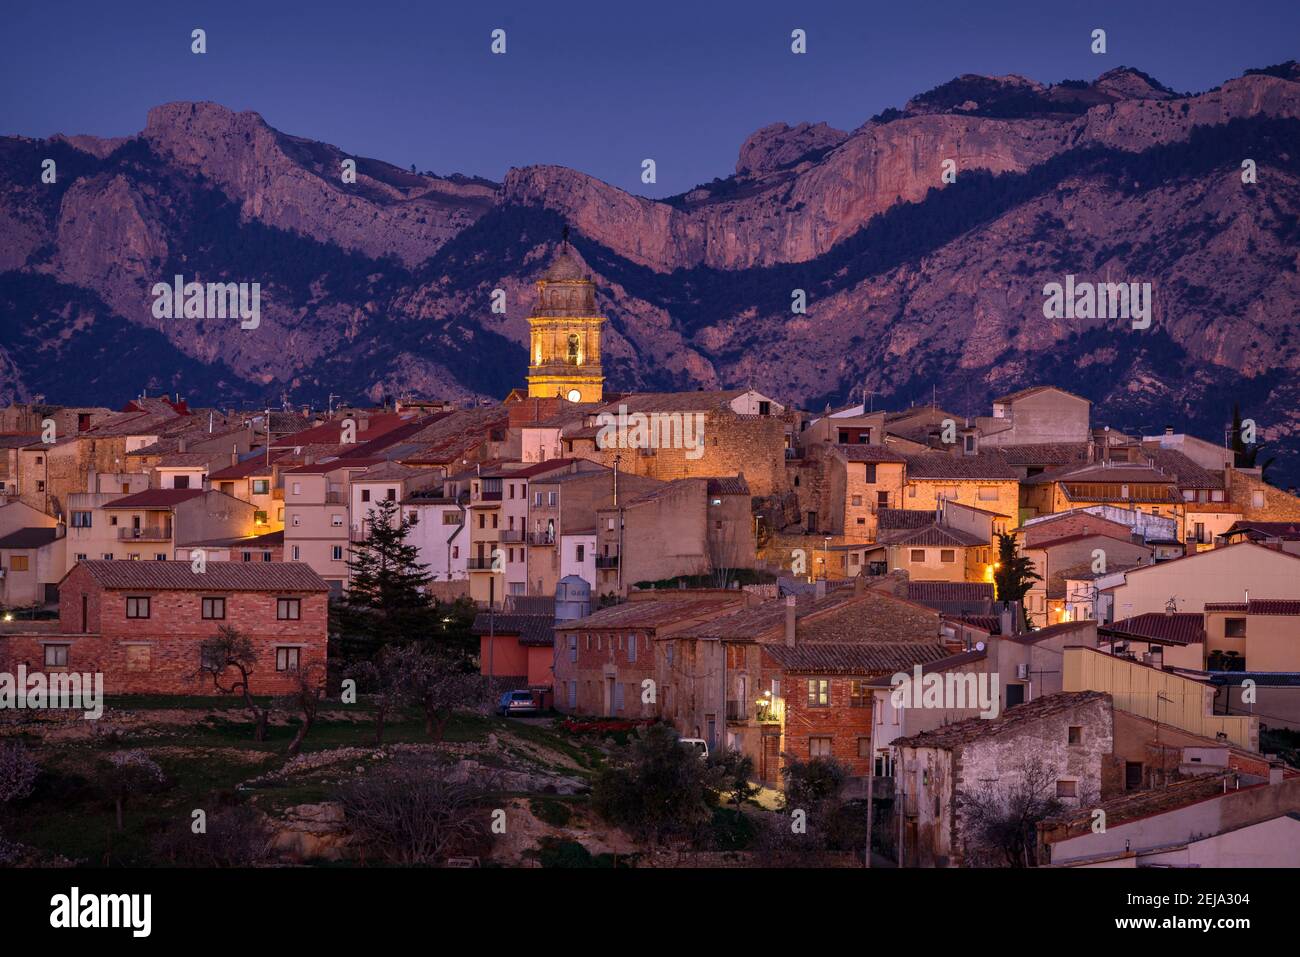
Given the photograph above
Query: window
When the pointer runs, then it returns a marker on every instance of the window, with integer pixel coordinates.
(180, 481)
(1067, 788)
(56, 656)
(573, 650)
(618, 696)
(248, 556)
(451, 518)
(288, 609)
(336, 521)
(337, 553)
(159, 557)
(40, 487)
(286, 659)
(859, 694)
(988, 493)
(819, 692)
(631, 647)
(1234, 627)
(1075, 735)
(947, 555)
(1256, 498)
(137, 608)
(295, 553)
(573, 694)
(108, 556)
(214, 609)
(864, 747)
(365, 495)
(82, 519)
(918, 555)
(857, 500)
(18, 563)
(297, 488)
(819, 747)
(266, 556)
(261, 486)
(295, 520)
(391, 494)
(579, 552)
(138, 657)
(81, 556)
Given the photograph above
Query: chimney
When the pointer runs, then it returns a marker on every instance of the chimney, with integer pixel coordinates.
(1006, 620)
(789, 620)
(1274, 775)
(234, 455)
(180, 446)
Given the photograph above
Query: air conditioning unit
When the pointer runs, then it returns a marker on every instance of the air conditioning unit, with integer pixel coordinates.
(1022, 672)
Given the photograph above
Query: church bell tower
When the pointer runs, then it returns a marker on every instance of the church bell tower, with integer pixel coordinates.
(564, 334)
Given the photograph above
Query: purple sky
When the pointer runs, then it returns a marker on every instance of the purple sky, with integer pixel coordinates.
(597, 85)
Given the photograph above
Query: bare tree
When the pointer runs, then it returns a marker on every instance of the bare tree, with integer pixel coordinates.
(236, 836)
(999, 819)
(232, 650)
(415, 815)
(387, 679)
(309, 689)
(439, 685)
(128, 773)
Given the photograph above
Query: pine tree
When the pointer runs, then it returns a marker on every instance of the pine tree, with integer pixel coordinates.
(388, 599)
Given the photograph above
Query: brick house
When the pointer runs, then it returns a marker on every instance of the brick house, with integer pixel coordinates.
(142, 624)
(603, 660)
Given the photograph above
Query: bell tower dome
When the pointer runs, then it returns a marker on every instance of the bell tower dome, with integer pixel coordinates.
(564, 333)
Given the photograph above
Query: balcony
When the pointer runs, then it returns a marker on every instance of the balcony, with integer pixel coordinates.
(738, 711)
(769, 711)
(479, 564)
(540, 538)
(607, 561)
(160, 533)
(512, 536)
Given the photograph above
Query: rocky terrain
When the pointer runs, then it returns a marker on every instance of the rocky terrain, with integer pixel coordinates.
(916, 286)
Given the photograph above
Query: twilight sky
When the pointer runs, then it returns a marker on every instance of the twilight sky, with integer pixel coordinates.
(597, 85)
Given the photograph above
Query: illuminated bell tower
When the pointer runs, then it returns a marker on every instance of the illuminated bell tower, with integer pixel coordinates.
(564, 334)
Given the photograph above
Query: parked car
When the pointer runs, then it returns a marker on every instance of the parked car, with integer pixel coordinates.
(517, 702)
(698, 745)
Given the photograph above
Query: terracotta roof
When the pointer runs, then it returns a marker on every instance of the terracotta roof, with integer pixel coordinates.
(1186, 472)
(648, 613)
(728, 485)
(29, 538)
(699, 401)
(1178, 628)
(186, 459)
(1034, 390)
(1051, 631)
(949, 591)
(942, 465)
(156, 498)
(252, 465)
(18, 441)
(990, 623)
(1044, 453)
(1256, 606)
(219, 576)
(263, 541)
(893, 518)
(320, 468)
(972, 729)
(1287, 531)
(538, 630)
(937, 535)
(869, 453)
(864, 658)
(332, 432)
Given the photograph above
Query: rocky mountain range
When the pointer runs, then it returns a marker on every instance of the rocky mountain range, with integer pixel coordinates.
(917, 287)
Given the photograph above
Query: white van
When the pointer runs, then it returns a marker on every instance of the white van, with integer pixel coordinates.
(698, 745)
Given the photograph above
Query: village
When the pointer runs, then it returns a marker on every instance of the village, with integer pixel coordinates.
(884, 631)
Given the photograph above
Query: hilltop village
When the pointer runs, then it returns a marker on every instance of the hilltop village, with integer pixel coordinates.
(1124, 609)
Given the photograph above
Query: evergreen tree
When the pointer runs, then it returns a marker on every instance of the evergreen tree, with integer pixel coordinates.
(388, 599)
(1246, 455)
(1014, 574)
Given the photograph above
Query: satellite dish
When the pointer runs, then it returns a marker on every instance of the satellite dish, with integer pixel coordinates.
(979, 646)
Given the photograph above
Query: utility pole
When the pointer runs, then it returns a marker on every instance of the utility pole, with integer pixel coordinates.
(618, 517)
(871, 782)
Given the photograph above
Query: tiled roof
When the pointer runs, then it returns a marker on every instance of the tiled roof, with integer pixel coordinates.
(186, 459)
(1044, 453)
(1287, 531)
(1273, 606)
(937, 536)
(942, 465)
(1186, 472)
(535, 630)
(648, 613)
(869, 453)
(930, 667)
(219, 576)
(263, 541)
(29, 538)
(892, 518)
(699, 401)
(949, 591)
(18, 441)
(864, 658)
(1051, 631)
(990, 623)
(320, 468)
(255, 464)
(972, 729)
(1124, 472)
(156, 498)
(1176, 628)
(332, 432)
(728, 485)
(1034, 390)
(754, 621)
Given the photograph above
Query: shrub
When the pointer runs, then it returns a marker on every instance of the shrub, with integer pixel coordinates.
(554, 813)
(18, 772)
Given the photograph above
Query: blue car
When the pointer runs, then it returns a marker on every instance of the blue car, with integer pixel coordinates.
(517, 702)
